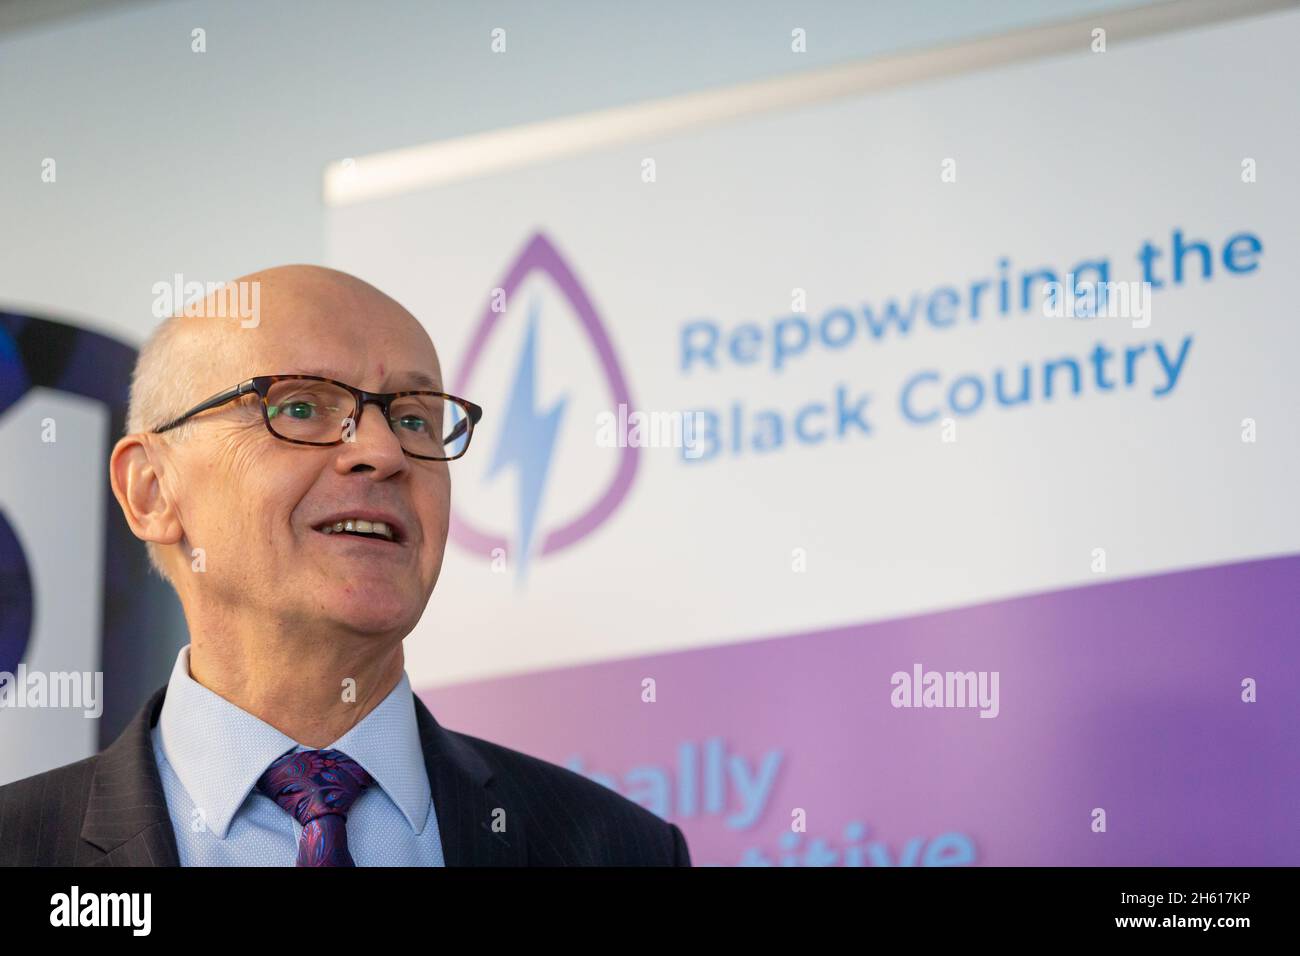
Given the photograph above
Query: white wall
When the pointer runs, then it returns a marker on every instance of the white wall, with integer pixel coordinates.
(210, 165)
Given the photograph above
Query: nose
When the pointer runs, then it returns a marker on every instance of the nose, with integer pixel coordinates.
(373, 446)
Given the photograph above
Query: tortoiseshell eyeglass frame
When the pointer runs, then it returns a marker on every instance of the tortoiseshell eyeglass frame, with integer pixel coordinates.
(261, 384)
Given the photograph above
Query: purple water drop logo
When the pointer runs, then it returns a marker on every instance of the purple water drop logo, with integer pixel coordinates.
(520, 415)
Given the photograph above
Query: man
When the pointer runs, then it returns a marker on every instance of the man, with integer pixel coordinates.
(302, 522)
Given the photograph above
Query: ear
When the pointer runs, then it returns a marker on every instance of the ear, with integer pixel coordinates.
(134, 470)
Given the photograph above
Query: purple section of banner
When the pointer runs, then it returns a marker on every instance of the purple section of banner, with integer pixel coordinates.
(1125, 697)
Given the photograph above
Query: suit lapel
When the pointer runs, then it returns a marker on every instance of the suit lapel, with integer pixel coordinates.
(465, 808)
(127, 818)
(126, 812)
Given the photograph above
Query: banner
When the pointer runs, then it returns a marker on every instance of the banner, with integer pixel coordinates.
(899, 479)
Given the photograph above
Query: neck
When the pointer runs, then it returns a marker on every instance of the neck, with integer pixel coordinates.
(309, 684)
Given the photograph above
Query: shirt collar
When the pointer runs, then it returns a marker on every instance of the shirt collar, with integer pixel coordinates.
(219, 750)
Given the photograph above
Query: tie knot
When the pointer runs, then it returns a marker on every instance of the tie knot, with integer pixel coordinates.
(311, 783)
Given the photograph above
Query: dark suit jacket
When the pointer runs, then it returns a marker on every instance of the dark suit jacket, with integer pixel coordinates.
(109, 810)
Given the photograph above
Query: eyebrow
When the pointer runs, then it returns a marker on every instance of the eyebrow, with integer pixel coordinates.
(414, 379)
(423, 380)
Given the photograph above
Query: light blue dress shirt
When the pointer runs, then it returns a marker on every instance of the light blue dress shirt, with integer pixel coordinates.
(210, 754)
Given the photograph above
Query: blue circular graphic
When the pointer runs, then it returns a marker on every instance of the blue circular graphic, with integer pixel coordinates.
(15, 578)
(15, 599)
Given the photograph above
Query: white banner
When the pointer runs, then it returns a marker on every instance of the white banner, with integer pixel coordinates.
(850, 294)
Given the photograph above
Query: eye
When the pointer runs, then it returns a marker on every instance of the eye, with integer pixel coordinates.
(412, 423)
(299, 409)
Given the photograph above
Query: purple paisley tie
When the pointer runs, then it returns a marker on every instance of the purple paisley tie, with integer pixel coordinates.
(317, 787)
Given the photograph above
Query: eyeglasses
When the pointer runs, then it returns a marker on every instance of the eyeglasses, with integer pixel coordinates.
(310, 410)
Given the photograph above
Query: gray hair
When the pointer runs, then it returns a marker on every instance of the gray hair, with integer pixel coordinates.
(165, 376)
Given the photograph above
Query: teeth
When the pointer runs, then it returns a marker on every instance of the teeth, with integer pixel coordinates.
(361, 526)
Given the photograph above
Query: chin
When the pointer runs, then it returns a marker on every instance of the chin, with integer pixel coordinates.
(376, 617)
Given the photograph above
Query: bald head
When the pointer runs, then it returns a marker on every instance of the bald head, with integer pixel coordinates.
(217, 341)
(288, 319)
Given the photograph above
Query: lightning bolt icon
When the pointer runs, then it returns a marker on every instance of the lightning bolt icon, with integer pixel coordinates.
(527, 441)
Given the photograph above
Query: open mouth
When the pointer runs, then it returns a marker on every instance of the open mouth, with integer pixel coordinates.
(360, 528)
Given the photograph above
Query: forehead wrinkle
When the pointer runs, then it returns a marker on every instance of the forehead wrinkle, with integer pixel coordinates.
(362, 340)
(410, 379)
(312, 317)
